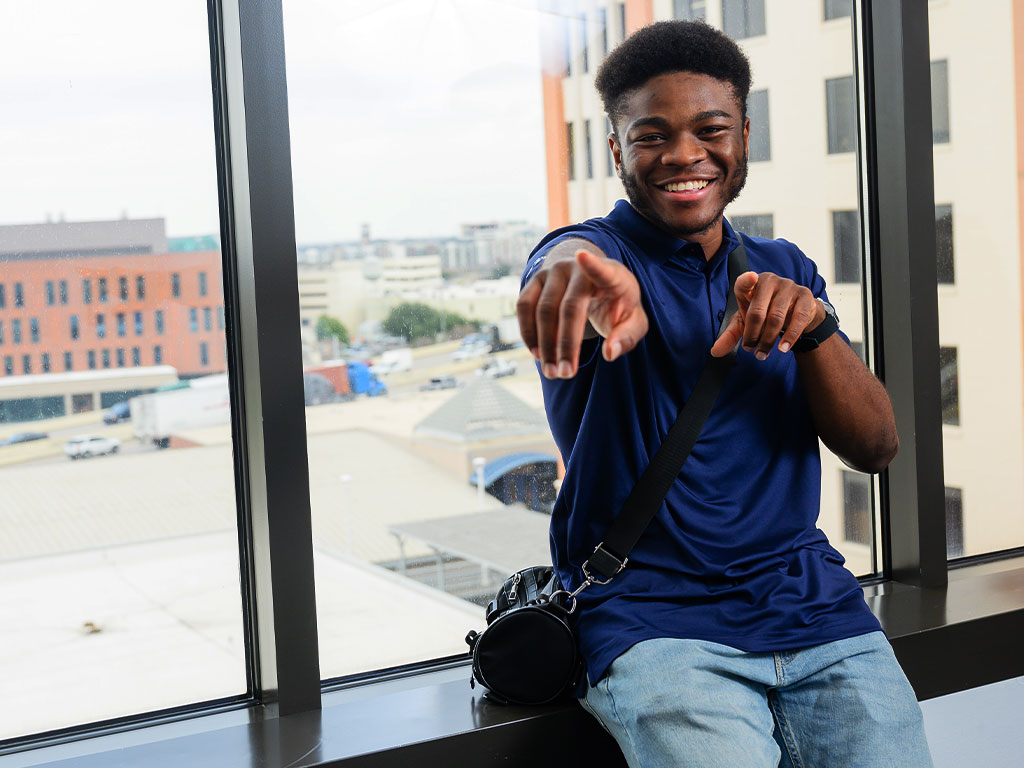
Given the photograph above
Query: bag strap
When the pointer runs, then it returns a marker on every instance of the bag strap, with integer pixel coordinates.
(644, 501)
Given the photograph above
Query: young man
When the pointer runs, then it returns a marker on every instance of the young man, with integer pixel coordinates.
(734, 637)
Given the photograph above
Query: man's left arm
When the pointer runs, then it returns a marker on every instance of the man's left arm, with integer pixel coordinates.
(850, 407)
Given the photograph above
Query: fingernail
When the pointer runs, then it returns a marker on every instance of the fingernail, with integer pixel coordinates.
(550, 371)
(761, 355)
(564, 370)
(784, 346)
(535, 351)
(616, 349)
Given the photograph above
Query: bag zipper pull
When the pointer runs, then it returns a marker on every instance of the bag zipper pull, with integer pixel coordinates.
(514, 589)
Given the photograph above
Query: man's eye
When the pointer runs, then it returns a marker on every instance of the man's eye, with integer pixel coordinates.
(648, 138)
(710, 130)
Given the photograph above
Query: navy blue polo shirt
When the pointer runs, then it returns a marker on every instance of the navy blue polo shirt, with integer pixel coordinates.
(734, 555)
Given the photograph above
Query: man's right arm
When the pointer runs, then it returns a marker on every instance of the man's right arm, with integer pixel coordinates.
(579, 290)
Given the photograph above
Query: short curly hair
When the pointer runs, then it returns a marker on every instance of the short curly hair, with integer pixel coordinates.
(670, 46)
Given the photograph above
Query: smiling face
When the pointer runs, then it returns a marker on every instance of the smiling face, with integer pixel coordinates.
(681, 152)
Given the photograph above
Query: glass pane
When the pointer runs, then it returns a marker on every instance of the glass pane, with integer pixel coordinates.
(979, 88)
(119, 583)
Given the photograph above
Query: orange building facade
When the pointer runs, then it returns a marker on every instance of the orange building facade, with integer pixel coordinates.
(60, 314)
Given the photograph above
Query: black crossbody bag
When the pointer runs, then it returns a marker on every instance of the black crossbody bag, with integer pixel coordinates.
(528, 653)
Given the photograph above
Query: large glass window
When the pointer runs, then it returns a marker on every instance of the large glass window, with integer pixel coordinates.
(118, 571)
(688, 10)
(760, 129)
(944, 266)
(940, 101)
(755, 225)
(841, 114)
(846, 246)
(743, 18)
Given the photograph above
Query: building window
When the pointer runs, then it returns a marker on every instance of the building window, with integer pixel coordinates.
(193, 320)
(45, 362)
(586, 43)
(622, 21)
(940, 102)
(51, 293)
(122, 327)
(572, 151)
(944, 244)
(589, 147)
(846, 246)
(1, 331)
(63, 291)
(68, 359)
(138, 323)
(33, 329)
(603, 14)
(567, 36)
(101, 327)
(207, 319)
(105, 357)
(175, 285)
(140, 287)
(950, 385)
(103, 290)
(838, 9)
(856, 507)
(16, 331)
(688, 10)
(3, 296)
(158, 355)
(19, 295)
(755, 225)
(87, 291)
(136, 357)
(120, 358)
(220, 317)
(74, 327)
(91, 355)
(26, 364)
(760, 130)
(204, 354)
(122, 288)
(743, 18)
(159, 321)
(954, 522)
(202, 283)
(8, 365)
(841, 115)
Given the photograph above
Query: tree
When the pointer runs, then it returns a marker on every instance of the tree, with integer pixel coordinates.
(415, 320)
(328, 327)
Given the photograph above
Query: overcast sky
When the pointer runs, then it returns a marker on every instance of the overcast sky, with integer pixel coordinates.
(414, 116)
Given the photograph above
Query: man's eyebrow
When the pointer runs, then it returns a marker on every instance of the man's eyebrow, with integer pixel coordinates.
(648, 122)
(710, 113)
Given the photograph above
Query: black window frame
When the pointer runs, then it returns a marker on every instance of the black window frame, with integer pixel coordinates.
(926, 618)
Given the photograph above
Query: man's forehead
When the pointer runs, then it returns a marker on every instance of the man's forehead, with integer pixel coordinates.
(690, 91)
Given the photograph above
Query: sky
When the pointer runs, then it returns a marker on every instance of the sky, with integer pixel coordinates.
(413, 116)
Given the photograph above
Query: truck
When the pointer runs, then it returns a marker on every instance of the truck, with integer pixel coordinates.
(504, 334)
(393, 361)
(363, 381)
(202, 402)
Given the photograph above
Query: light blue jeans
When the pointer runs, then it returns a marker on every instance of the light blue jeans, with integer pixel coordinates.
(843, 704)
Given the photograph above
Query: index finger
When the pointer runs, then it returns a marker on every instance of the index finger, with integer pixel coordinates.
(526, 311)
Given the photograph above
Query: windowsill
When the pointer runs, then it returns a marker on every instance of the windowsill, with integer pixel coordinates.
(435, 718)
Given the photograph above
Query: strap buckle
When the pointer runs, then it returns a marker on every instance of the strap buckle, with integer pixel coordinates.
(605, 563)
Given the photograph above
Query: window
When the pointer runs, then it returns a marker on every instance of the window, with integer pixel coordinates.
(122, 288)
(622, 20)
(760, 128)
(3, 296)
(688, 10)
(837, 9)
(940, 102)
(159, 321)
(140, 287)
(603, 16)
(16, 330)
(51, 293)
(204, 354)
(202, 284)
(26, 364)
(585, 53)
(138, 323)
(846, 246)
(19, 295)
(1, 331)
(207, 319)
(68, 360)
(949, 377)
(757, 225)
(103, 290)
(136, 357)
(44, 360)
(8, 365)
(122, 327)
(954, 522)
(193, 320)
(74, 327)
(220, 318)
(120, 358)
(841, 115)
(33, 329)
(101, 327)
(567, 38)
(572, 151)
(87, 291)
(743, 18)
(63, 291)
(175, 285)
(589, 149)
(105, 357)
(91, 356)
(856, 507)
(158, 355)
(944, 244)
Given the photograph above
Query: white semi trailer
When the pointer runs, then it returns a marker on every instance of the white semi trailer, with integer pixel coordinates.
(203, 403)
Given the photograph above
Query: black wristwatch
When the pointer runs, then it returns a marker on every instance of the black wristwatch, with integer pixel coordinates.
(828, 326)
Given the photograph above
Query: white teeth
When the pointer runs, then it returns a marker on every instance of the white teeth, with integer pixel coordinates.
(687, 186)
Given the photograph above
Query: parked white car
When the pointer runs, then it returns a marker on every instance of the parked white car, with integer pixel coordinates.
(83, 446)
(497, 367)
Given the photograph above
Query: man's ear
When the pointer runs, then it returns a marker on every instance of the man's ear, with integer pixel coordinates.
(613, 145)
(746, 136)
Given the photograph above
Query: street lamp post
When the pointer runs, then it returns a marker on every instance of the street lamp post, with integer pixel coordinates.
(478, 466)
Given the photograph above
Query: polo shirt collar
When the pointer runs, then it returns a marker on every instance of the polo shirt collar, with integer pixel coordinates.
(660, 246)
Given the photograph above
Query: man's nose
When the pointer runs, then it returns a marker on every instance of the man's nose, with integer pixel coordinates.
(686, 149)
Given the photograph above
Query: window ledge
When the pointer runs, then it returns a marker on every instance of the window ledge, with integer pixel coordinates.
(435, 718)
